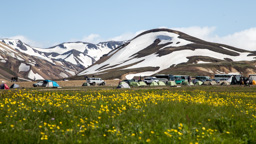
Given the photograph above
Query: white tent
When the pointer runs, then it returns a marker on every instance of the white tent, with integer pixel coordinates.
(14, 86)
(230, 79)
(123, 85)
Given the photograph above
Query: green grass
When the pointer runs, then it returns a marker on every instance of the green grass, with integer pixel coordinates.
(170, 115)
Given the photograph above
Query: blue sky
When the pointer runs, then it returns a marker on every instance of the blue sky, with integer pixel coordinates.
(44, 23)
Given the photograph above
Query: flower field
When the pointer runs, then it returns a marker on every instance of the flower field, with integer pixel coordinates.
(128, 116)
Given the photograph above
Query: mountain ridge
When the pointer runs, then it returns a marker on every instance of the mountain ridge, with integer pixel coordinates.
(67, 57)
(156, 50)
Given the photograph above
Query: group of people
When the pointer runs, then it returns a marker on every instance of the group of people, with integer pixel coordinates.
(244, 81)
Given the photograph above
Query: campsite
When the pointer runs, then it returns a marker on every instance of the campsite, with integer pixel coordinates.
(128, 111)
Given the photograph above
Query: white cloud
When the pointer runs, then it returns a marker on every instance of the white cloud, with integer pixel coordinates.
(199, 32)
(245, 39)
(126, 36)
(93, 38)
(27, 41)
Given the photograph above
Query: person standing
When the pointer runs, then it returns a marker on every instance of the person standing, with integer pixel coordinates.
(189, 79)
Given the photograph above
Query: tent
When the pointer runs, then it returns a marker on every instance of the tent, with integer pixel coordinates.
(123, 85)
(4, 86)
(206, 83)
(234, 80)
(253, 82)
(225, 83)
(213, 83)
(171, 83)
(154, 84)
(191, 83)
(160, 83)
(185, 82)
(142, 83)
(134, 84)
(230, 79)
(209, 83)
(198, 83)
(14, 86)
(50, 83)
(86, 84)
(195, 81)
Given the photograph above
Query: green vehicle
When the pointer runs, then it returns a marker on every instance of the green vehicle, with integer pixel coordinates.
(180, 78)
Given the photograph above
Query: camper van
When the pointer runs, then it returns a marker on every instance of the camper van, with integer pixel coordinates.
(180, 78)
(165, 77)
(203, 78)
(225, 77)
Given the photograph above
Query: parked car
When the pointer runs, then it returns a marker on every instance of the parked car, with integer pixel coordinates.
(38, 84)
(203, 78)
(165, 80)
(179, 79)
(149, 80)
(95, 81)
(169, 77)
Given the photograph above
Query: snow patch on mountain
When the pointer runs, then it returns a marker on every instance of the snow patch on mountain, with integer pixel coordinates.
(24, 67)
(71, 59)
(63, 75)
(71, 72)
(3, 61)
(34, 76)
(178, 57)
(202, 62)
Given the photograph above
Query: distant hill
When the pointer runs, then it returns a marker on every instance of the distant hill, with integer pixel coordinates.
(64, 60)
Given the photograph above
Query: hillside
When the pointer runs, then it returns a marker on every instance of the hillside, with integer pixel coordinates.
(27, 67)
(61, 61)
(174, 52)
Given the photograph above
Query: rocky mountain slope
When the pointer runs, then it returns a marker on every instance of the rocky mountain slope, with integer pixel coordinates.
(61, 61)
(173, 52)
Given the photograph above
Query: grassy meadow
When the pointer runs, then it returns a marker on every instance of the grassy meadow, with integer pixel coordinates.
(170, 115)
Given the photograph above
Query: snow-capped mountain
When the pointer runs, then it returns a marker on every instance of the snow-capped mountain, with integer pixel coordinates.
(163, 51)
(68, 58)
(79, 53)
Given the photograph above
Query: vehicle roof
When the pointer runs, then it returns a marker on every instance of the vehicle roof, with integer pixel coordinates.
(93, 77)
(227, 74)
